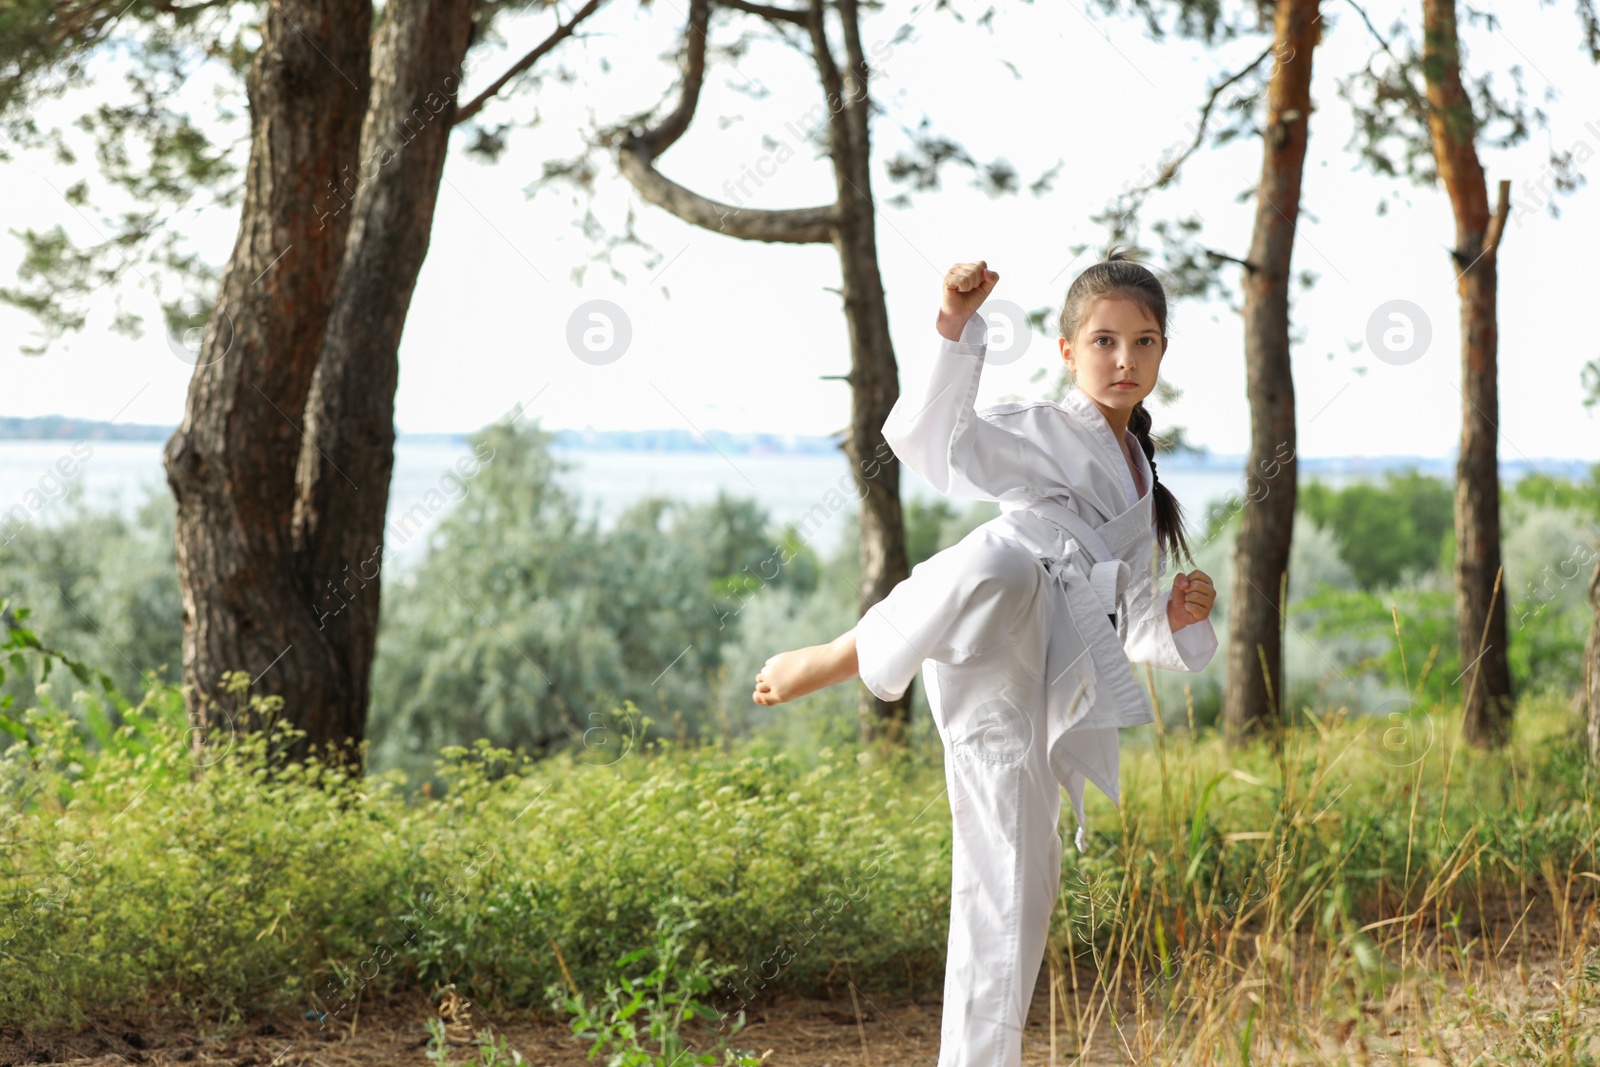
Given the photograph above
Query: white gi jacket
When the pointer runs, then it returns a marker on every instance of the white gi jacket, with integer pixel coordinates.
(1053, 468)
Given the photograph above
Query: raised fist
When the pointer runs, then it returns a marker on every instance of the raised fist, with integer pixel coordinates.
(966, 286)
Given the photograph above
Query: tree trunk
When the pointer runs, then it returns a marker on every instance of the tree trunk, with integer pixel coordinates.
(347, 455)
(848, 223)
(231, 462)
(1252, 702)
(1481, 619)
(1587, 704)
(874, 378)
(1586, 699)
(281, 466)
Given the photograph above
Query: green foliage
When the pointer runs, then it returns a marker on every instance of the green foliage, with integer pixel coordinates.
(1340, 634)
(1388, 530)
(218, 877)
(1537, 490)
(104, 587)
(528, 624)
(1550, 551)
(23, 649)
(493, 1050)
(730, 536)
(1359, 627)
(640, 1011)
(924, 524)
(151, 137)
(146, 870)
(930, 526)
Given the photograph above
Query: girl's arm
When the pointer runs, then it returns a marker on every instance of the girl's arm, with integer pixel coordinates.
(1151, 639)
(951, 446)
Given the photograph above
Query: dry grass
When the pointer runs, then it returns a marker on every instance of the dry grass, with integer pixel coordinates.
(1517, 993)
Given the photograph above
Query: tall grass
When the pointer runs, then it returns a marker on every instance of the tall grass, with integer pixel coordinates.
(1366, 878)
(218, 879)
(1368, 885)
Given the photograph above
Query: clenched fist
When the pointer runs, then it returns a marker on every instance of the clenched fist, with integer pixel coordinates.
(1192, 597)
(966, 286)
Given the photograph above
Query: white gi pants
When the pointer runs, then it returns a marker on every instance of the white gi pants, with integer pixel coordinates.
(961, 617)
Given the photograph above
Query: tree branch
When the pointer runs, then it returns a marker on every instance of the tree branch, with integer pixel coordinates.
(1245, 263)
(167, 8)
(1497, 225)
(773, 14)
(561, 34)
(1374, 30)
(1171, 169)
(638, 150)
(857, 108)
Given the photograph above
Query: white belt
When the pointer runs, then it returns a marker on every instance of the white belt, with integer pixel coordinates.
(1108, 575)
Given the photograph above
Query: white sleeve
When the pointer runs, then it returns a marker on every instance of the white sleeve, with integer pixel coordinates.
(1151, 640)
(950, 445)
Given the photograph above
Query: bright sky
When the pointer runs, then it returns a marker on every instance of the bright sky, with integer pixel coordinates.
(736, 335)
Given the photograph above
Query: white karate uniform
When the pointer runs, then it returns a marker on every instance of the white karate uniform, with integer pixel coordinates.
(1027, 679)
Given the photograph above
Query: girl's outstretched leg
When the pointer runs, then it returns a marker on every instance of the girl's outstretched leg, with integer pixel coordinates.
(805, 670)
(955, 605)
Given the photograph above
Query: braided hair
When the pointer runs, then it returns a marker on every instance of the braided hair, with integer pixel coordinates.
(1120, 275)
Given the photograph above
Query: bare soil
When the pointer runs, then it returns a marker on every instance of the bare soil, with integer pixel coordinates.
(1516, 995)
(888, 1031)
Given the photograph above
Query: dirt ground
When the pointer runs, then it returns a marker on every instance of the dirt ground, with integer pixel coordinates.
(872, 1030)
(800, 1034)
(890, 1032)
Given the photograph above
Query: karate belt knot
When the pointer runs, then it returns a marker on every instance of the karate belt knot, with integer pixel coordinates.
(1108, 579)
(1086, 562)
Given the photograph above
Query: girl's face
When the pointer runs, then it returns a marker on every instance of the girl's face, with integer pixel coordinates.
(1119, 341)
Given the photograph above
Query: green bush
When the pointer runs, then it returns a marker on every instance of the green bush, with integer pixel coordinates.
(639, 1018)
(146, 869)
(527, 624)
(103, 586)
(141, 867)
(1387, 530)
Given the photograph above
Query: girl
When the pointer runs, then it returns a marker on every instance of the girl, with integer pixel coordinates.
(1026, 629)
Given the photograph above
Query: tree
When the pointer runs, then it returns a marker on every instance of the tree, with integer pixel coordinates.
(1255, 684)
(281, 465)
(1586, 701)
(1385, 530)
(1420, 119)
(1490, 702)
(528, 625)
(1443, 123)
(849, 224)
(1261, 558)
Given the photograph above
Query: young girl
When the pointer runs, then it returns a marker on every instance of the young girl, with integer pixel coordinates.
(1026, 629)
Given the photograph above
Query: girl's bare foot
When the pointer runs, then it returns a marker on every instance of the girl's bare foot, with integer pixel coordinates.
(793, 674)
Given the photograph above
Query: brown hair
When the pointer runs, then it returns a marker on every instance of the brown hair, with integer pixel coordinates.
(1120, 275)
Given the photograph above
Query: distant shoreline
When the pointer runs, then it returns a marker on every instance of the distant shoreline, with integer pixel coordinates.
(65, 428)
(680, 441)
